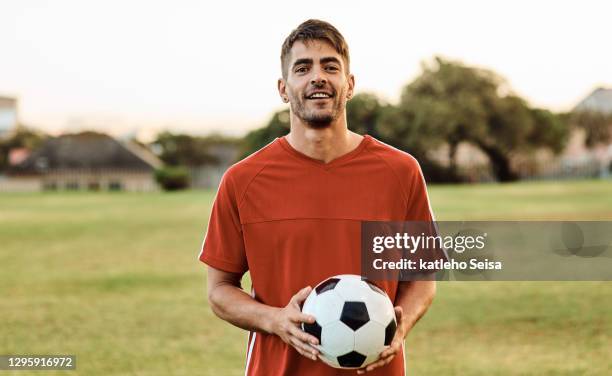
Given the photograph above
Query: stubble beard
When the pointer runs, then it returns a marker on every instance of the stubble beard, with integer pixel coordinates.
(317, 119)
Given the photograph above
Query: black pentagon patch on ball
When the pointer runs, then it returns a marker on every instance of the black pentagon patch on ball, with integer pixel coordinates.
(390, 332)
(375, 288)
(352, 359)
(313, 329)
(327, 285)
(354, 314)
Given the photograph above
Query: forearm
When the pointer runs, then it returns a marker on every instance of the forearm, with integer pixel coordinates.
(414, 297)
(235, 306)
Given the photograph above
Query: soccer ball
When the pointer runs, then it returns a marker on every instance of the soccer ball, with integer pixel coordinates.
(355, 320)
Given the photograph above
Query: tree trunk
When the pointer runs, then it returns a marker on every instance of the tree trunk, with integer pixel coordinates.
(452, 152)
(499, 162)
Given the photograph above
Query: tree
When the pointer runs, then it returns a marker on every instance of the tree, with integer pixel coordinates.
(278, 126)
(173, 178)
(184, 150)
(363, 112)
(401, 128)
(453, 103)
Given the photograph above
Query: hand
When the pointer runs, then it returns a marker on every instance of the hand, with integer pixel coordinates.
(286, 325)
(395, 348)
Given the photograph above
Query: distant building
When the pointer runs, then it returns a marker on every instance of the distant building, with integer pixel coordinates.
(85, 161)
(8, 115)
(600, 100)
(576, 160)
(209, 176)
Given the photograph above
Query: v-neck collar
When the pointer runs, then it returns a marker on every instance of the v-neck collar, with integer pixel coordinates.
(316, 162)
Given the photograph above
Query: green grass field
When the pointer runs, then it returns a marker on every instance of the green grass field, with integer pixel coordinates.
(114, 278)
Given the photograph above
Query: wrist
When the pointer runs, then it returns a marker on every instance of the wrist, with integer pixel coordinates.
(404, 327)
(269, 323)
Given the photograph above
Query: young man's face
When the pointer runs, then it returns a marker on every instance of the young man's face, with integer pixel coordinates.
(317, 83)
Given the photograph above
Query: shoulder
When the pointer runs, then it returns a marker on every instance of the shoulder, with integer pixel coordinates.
(399, 161)
(241, 173)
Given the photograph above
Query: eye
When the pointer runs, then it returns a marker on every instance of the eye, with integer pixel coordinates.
(301, 70)
(332, 68)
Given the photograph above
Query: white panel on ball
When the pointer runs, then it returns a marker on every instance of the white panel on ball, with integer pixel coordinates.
(328, 307)
(380, 309)
(352, 289)
(310, 304)
(370, 338)
(337, 339)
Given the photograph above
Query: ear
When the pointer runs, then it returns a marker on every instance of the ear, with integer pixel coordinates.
(351, 86)
(282, 90)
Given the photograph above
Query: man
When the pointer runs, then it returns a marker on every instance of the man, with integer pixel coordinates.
(290, 214)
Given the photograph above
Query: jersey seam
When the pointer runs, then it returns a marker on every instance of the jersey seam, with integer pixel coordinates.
(394, 174)
(319, 218)
(331, 165)
(246, 188)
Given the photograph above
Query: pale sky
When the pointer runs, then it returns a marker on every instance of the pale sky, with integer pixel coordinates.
(198, 66)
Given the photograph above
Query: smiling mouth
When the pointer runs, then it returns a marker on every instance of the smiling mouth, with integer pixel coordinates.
(319, 95)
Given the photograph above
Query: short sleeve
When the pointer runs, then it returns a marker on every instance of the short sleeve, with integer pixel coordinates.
(223, 246)
(418, 207)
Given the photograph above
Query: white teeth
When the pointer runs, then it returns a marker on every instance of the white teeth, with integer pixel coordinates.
(319, 95)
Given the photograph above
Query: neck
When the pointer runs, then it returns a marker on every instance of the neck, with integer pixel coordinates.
(324, 144)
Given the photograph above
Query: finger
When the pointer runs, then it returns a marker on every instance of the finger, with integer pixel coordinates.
(303, 353)
(304, 348)
(395, 348)
(389, 359)
(301, 295)
(380, 363)
(388, 352)
(376, 364)
(399, 312)
(299, 317)
(303, 336)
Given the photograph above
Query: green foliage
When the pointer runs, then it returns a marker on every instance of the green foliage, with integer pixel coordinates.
(186, 150)
(363, 112)
(452, 103)
(278, 126)
(172, 178)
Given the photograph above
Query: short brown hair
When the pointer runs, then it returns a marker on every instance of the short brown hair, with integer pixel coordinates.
(315, 30)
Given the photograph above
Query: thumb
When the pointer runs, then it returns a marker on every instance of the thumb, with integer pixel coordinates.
(399, 311)
(302, 295)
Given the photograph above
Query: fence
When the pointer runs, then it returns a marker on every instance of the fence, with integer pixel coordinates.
(81, 180)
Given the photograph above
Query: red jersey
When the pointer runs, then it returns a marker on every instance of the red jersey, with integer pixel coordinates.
(293, 221)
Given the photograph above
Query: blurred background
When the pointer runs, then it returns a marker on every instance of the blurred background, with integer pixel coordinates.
(118, 119)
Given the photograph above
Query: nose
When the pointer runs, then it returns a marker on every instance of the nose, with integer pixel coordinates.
(318, 79)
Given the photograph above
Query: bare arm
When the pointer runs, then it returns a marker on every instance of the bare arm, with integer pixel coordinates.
(231, 303)
(414, 297)
(234, 305)
(412, 300)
